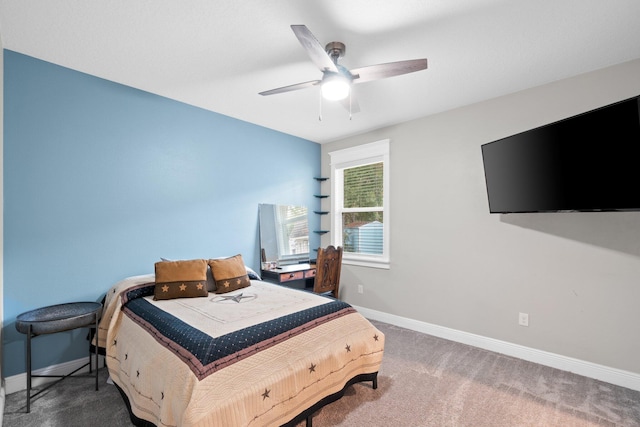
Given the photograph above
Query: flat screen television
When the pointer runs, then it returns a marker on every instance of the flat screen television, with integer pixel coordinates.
(589, 162)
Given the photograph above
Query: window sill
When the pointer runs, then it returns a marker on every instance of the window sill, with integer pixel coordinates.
(371, 264)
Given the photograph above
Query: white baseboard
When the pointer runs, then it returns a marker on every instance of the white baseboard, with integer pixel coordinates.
(615, 376)
(19, 382)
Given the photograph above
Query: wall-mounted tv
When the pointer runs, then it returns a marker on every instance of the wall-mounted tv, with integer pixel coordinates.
(589, 162)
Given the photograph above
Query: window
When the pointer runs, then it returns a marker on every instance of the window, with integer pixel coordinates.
(360, 199)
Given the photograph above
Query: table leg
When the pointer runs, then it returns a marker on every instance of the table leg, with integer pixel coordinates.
(96, 349)
(29, 369)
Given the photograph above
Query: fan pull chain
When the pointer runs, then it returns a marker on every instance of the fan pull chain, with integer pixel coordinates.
(350, 115)
(320, 106)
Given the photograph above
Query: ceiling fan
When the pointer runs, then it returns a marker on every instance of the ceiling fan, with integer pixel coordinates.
(336, 80)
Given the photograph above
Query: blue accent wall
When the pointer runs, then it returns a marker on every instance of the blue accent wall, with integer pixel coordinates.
(101, 180)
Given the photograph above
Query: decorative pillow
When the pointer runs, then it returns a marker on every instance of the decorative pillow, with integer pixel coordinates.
(180, 279)
(211, 285)
(252, 274)
(229, 274)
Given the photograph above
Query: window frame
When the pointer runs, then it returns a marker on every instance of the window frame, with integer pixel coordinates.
(374, 152)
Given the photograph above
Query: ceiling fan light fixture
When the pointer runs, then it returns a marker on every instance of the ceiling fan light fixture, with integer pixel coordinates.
(335, 88)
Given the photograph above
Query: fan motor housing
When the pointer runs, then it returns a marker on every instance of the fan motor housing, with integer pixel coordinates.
(335, 50)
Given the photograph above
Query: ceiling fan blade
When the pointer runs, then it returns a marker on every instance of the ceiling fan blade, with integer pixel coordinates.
(390, 69)
(314, 49)
(289, 88)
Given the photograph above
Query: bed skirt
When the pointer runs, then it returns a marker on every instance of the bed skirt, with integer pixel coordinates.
(307, 414)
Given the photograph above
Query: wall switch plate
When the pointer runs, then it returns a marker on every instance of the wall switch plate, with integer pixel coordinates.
(523, 319)
(360, 289)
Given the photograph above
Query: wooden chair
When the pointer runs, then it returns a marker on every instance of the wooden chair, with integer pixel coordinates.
(328, 266)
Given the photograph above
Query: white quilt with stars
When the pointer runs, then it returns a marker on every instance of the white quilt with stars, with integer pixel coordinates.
(257, 356)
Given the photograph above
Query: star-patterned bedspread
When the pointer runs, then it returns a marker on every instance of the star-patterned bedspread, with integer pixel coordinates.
(258, 356)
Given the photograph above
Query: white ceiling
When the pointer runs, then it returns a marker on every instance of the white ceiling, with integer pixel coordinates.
(218, 54)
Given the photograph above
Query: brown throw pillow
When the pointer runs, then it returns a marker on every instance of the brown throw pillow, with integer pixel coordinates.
(229, 274)
(211, 285)
(180, 279)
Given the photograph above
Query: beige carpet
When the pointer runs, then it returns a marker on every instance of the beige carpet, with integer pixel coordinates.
(428, 381)
(424, 381)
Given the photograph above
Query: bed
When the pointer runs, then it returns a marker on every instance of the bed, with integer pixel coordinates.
(257, 355)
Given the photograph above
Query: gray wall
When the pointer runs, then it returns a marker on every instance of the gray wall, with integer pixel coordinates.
(455, 265)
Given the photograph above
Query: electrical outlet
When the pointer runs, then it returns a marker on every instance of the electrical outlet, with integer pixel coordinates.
(360, 289)
(523, 319)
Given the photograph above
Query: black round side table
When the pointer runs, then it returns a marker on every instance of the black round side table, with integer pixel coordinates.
(58, 318)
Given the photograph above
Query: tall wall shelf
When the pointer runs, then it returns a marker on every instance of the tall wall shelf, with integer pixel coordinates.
(322, 210)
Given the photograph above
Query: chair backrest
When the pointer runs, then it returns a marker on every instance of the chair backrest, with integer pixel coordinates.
(328, 266)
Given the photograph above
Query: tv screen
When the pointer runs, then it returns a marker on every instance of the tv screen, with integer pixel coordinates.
(589, 162)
